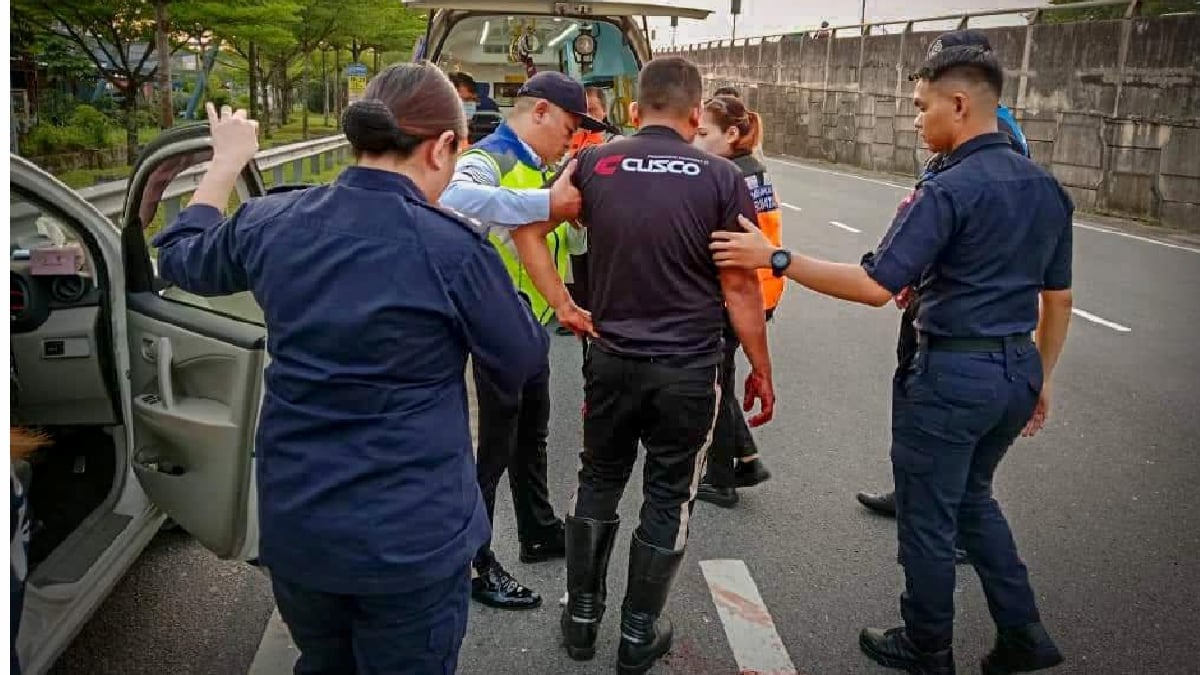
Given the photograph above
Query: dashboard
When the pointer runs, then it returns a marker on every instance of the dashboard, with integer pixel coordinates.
(33, 297)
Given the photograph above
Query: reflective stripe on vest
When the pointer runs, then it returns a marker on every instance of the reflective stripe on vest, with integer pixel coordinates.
(521, 176)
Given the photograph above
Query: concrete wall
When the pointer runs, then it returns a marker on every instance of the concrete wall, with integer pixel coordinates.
(1112, 108)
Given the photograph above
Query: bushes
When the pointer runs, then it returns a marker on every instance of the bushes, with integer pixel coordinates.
(88, 130)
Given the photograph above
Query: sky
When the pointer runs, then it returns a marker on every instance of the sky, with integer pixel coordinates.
(771, 17)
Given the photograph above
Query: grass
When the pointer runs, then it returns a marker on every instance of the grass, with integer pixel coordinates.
(290, 133)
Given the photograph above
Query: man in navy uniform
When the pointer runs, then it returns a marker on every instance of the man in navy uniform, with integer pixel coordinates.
(987, 235)
(884, 503)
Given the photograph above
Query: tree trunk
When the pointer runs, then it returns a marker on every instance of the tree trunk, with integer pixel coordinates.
(285, 96)
(376, 51)
(129, 108)
(163, 47)
(252, 53)
(266, 100)
(356, 51)
(337, 83)
(325, 94)
(304, 97)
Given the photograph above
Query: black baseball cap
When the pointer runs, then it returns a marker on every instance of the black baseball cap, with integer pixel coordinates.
(956, 38)
(563, 92)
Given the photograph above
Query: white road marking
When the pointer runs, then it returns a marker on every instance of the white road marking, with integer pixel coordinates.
(1103, 322)
(756, 644)
(908, 188)
(845, 227)
(789, 206)
(1126, 235)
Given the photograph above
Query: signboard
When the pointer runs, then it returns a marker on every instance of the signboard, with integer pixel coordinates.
(356, 75)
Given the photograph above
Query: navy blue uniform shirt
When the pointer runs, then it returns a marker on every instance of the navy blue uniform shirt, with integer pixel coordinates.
(993, 228)
(373, 298)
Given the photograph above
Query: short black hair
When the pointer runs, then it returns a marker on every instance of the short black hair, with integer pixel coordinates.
(727, 91)
(974, 63)
(461, 79)
(670, 85)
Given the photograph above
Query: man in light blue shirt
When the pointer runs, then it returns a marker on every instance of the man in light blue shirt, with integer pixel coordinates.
(504, 182)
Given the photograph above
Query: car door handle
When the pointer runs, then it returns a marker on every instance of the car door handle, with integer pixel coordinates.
(164, 356)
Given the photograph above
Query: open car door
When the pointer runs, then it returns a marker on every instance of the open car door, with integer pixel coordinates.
(196, 363)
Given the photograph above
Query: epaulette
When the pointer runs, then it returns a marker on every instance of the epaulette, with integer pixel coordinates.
(473, 224)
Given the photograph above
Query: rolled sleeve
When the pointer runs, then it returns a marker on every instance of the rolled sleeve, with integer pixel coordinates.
(199, 251)
(917, 235)
(475, 192)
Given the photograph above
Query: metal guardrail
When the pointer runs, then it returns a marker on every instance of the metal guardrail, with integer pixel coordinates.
(1034, 16)
(322, 154)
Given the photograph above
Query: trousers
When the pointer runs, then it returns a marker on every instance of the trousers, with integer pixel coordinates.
(512, 438)
(671, 410)
(954, 416)
(413, 633)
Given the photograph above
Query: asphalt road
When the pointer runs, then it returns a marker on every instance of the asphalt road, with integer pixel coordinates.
(1102, 502)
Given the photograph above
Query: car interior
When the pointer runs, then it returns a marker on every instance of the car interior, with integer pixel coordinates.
(63, 381)
(501, 51)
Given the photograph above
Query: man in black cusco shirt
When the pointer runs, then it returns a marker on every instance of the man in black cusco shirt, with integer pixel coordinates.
(650, 202)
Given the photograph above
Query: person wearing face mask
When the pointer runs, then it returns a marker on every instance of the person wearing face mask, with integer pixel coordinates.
(373, 298)
(728, 130)
(503, 181)
(468, 92)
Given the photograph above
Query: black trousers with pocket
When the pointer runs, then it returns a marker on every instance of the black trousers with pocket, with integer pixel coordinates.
(671, 410)
(512, 438)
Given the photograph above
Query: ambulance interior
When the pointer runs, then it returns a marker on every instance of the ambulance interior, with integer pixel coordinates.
(499, 52)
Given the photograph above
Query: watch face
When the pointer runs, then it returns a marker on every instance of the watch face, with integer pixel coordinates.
(780, 260)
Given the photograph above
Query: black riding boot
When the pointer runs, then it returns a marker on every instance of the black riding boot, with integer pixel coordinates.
(589, 545)
(645, 637)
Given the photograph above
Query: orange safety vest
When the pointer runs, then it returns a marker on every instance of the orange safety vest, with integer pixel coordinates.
(770, 221)
(583, 139)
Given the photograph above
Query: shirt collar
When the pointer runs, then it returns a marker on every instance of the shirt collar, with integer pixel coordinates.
(972, 146)
(659, 130)
(378, 179)
(530, 157)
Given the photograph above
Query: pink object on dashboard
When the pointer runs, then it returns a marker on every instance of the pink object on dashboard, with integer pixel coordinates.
(53, 260)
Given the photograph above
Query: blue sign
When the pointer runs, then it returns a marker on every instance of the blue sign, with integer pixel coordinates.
(356, 70)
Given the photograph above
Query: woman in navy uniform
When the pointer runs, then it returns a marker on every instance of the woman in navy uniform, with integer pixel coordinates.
(374, 297)
(988, 235)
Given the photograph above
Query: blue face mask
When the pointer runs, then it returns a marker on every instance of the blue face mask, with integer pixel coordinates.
(469, 108)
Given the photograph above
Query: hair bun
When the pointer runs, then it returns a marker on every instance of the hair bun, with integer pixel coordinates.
(370, 127)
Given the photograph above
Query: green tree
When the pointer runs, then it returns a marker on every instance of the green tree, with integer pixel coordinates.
(117, 36)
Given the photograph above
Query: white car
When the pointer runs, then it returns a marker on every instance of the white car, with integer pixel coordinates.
(150, 395)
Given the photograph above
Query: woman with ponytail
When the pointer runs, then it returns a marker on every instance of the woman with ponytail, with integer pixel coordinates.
(729, 130)
(373, 298)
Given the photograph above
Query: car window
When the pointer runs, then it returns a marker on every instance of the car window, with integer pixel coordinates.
(166, 193)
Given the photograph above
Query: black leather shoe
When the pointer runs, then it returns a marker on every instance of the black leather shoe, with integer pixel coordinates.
(725, 498)
(554, 546)
(589, 546)
(883, 503)
(749, 474)
(645, 633)
(1022, 650)
(960, 557)
(893, 649)
(495, 587)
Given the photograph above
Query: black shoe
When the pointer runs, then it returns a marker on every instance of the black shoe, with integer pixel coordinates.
(590, 543)
(554, 546)
(883, 503)
(725, 498)
(893, 649)
(960, 557)
(749, 474)
(1022, 650)
(645, 634)
(495, 587)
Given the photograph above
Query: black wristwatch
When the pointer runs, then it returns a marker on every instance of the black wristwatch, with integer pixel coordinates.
(780, 260)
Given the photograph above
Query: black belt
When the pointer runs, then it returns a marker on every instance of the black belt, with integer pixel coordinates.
(972, 344)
